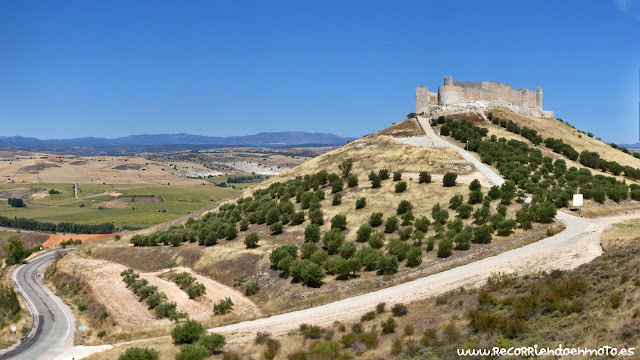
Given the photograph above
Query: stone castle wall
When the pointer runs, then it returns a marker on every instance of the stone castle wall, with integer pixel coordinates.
(456, 96)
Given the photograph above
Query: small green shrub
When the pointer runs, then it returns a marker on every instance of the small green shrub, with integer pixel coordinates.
(251, 288)
(251, 240)
(136, 353)
(449, 179)
(188, 332)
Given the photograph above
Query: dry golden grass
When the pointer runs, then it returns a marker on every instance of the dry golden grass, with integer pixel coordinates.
(499, 132)
(409, 127)
(559, 130)
(374, 152)
(93, 170)
(592, 209)
(621, 234)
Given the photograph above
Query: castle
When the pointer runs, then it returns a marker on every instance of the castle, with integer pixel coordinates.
(465, 96)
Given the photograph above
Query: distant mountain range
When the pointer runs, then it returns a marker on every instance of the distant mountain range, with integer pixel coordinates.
(264, 139)
(631, 146)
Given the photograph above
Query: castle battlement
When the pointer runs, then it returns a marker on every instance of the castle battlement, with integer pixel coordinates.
(463, 96)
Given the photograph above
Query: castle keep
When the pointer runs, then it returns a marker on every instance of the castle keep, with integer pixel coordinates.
(464, 96)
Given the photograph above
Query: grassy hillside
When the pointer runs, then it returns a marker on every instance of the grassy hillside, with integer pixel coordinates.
(580, 140)
(316, 245)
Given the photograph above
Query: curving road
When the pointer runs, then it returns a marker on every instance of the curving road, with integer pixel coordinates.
(54, 320)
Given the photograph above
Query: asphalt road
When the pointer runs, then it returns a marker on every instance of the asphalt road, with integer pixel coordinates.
(55, 322)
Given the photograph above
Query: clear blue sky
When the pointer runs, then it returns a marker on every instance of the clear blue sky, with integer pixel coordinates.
(115, 68)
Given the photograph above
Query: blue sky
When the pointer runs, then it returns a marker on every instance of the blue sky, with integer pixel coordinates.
(115, 68)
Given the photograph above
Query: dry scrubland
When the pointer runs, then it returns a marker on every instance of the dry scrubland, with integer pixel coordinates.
(510, 310)
(93, 170)
(121, 315)
(595, 304)
(559, 130)
(228, 259)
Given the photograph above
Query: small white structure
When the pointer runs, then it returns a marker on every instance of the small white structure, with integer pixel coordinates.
(578, 200)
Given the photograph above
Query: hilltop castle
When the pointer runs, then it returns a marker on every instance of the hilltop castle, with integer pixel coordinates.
(463, 96)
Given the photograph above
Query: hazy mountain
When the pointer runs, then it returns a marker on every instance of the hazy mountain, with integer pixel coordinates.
(631, 146)
(264, 139)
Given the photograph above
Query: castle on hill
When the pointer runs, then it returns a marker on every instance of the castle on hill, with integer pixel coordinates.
(464, 96)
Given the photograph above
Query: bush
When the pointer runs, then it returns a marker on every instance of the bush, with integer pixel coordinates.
(188, 332)
(383, 174)
(389, 326)
(375, 180)
(332, 240)
(297, 218)
(308, 272)
(326, 349)
(397, 176)
(136, 353)
(192, 352)
(352, 181)
(337, 199)
(455, 201)
(399, 310)
(475, 185)
(464, 211)
(251, 288)
(213, 342)
(364, 233)
(375, 219)
(15, 202)
(380, 307)
(224, 306)
(339, 222)
(312, 233)
(370, 339)
(276, 228)
(348, 339)
(346, 167)
(155, 299)
(376, 240)
(449, 179)
(146, 291)
(505, 227)
(388, 264)
(368, 316)
(307, 249)
(165, 309)
(401, 187)
(391, 225)
(403, 207)
(475, 197)
(195, 290)
(482, 234)
(414, 257)
(251, 240)
(422, 224)
(424, 177)
(316, 217)
(361, 203)
(337, 186)
(445, 248)
(347, 250)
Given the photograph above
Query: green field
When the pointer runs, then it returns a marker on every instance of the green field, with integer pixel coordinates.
(176, 202)
(240, 186)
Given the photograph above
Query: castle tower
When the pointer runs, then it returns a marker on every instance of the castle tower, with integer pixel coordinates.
(448, 80)
(422, 99)
(539, 97)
